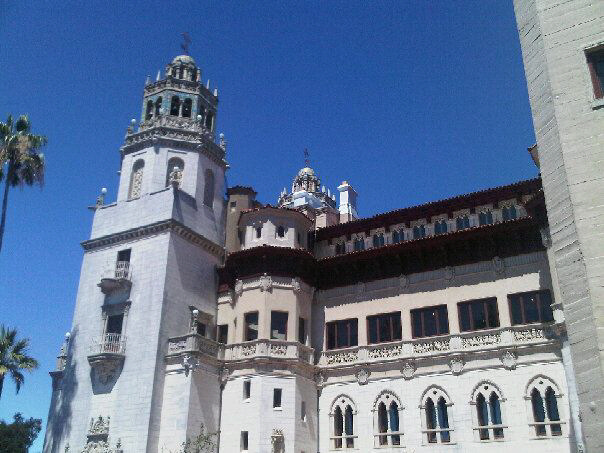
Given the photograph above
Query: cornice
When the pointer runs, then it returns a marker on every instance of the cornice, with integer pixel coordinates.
(153, 229)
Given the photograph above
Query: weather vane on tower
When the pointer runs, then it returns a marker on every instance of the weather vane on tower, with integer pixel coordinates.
(186, 43)
(306, 158)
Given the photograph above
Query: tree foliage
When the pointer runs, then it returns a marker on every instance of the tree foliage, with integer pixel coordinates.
(14, 357)
(17, 437)
(204, 442)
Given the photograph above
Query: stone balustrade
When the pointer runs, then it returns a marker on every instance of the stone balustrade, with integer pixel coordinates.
(507, 337)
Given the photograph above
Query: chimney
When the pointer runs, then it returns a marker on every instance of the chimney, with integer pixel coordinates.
(348, 202)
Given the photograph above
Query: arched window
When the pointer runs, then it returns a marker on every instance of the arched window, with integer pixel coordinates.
(462, 222)
(173, 163)
(343, 412)
(208, 189)
(210, 121)
(386, 420)
(378, 240)
(419, 231)
(158, 106)
(509, 212)
(175, 106)
(186, 108)
(440, 227)
(136, 179)
(359, 244)
(149, 113)
(542, 397)
(485, 218)
(435, 406)
(281, 231)
(488, 421)
(397, 236)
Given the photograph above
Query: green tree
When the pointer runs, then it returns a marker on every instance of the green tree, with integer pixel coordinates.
(18, 436)
(14, 358)
(20, 162)
(204, 442)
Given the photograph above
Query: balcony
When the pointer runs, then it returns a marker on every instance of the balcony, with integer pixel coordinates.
(107, 356)
(504, 339)
(117, 279)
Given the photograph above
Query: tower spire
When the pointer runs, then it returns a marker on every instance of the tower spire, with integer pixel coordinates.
(186, 42)
(306, 158)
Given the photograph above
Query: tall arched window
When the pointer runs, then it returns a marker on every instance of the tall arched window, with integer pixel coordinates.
(397, 236)
(485, 218)
(542, 398)
(435, 407)
(386, 420)
(158, 106)
(419, 231)
(378, 240)
(358, 244)
(173, 163)
(136, 179)
(210, 121)
(208, 188)
(186, 108)
(488, 422)
(509, 212)
(149, 113)
(343, 412)
(175, 106)
(440, 226)
(462, 222)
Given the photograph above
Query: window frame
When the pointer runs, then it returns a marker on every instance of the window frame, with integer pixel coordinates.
(349, 331)
(277, 399)
(484, 302)
(425, 309)
(219, 333)
(539, 294)
(279, 312)
(592, 56)
(391, 316)
(246, 325)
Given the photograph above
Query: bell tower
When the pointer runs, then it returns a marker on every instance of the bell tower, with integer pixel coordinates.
(150, 263)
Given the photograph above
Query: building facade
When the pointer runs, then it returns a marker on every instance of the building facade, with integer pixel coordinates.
(300, 327)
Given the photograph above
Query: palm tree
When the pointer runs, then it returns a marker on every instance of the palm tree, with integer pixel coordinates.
(13, 357)
(20, 162)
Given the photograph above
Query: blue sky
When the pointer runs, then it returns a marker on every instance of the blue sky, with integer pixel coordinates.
(408, 101)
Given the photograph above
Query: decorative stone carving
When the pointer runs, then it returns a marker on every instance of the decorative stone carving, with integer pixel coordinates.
(341, 357)
(100, 426)
(509, 360)
(498, 265)
(224, 375)
(97, 438)
(403, 282)
(480, 340)
(320, 379)
(432, 346)
(106, 368)
(176, 346)
(238, 287)
(266, 283)
(176, 177)
(248, 350)
(449, 273)
(277, 441)
(278, 349)
(189, 363)
(456, 365)
(296, 286)
(529, 334)
(362, 376)
(386, 352)
(408, 369)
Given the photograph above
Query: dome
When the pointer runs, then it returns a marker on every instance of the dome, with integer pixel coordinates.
(183, 59)
(306, 171)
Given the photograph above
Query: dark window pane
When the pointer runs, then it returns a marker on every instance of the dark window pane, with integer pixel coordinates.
(331, 336)
(416, 324)
(223, 333)
(397, 333)
(342, 333)
(353, 332)
(302, 330)
(516, 309)
(278, 325)
(430, 326)
(531, 310)
(201, 329)
(251, 326)
(372, 327)
(114, 324)
(546, 306)
(492, 313)
(478, 315)
(276, 397)
(464, 317)
(384, 328)
(443, 320)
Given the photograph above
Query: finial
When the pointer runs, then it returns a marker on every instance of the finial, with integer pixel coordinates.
(186, 43)
(216, 92)
(67, 336)
(306, 158)
(100, 200)
(158, 75)
(199, 117)
(133, 121)
(104, 190)
(148, 81)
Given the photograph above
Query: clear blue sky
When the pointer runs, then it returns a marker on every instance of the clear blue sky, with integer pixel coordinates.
(409, 101)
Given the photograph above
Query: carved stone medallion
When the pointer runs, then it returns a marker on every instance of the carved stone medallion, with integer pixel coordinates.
(408, 369)
(509, 360)
(362, 376)
(238, 287)
(456, 365)
(266, 283)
